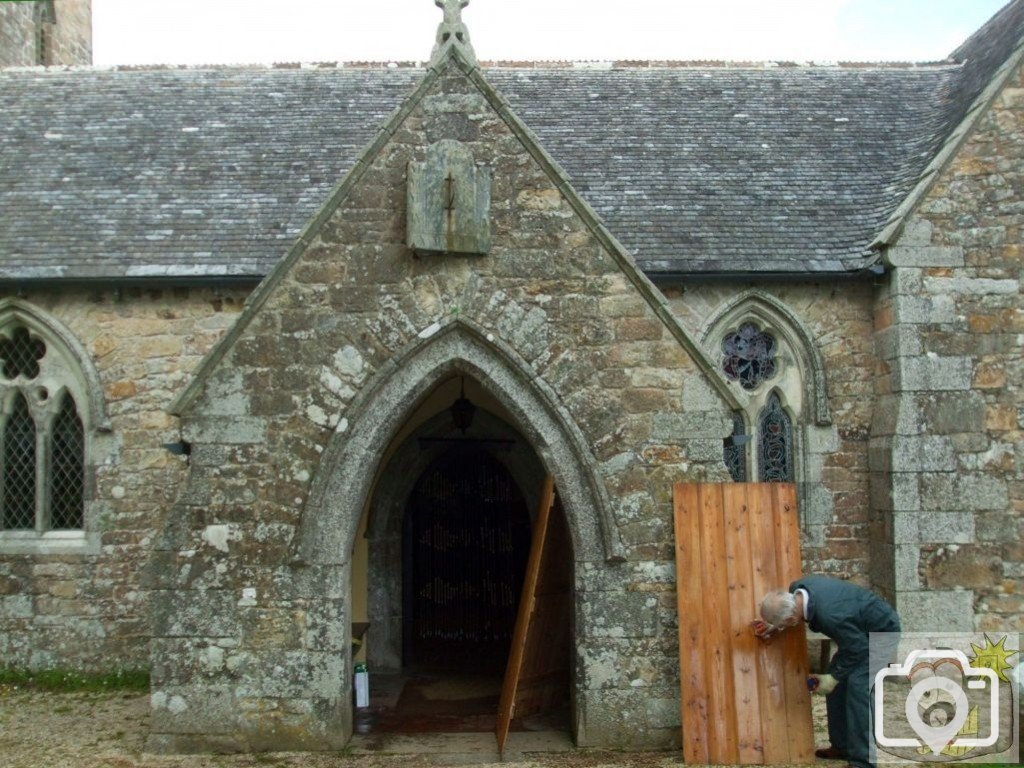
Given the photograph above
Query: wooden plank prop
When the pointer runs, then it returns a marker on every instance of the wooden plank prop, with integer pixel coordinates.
(743, 702)
(539, 661)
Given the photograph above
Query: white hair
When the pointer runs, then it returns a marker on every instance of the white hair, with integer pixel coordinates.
(777, 607)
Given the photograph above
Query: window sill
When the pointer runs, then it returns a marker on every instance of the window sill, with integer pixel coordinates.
(49, 543)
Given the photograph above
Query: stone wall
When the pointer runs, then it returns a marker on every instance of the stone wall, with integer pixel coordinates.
(90, 611)
(34, 33)
(18, 37)
(832, 467)
(69, 41)
(251, 620)
(947, 437)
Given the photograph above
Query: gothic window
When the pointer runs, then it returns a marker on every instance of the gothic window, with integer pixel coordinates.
(734, 452)
(42, 437)
(749, 356)
(19, 477)
(779, 377)
(67, 459)
(21, 354)
(46, 21)
(775, 443)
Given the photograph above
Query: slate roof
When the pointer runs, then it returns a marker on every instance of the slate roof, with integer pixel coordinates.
(175, 172)
(734, 170)
(982, 54)
(696, 169)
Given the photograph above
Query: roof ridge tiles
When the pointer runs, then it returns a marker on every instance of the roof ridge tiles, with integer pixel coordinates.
(710, 64)
(583, 64)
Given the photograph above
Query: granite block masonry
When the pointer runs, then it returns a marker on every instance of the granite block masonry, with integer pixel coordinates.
(87, 609)
(951, 433)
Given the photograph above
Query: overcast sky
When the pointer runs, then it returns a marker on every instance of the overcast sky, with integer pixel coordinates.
(255, 31)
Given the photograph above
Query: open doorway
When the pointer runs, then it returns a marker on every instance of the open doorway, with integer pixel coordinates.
(447, 542)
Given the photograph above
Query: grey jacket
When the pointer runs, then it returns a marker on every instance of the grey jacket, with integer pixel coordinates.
(847, 614)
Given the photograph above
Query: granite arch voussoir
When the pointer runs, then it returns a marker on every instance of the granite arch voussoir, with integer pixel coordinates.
(344, 481)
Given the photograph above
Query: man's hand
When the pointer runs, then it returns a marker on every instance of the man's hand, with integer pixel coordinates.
(762, 630)
(825, 684)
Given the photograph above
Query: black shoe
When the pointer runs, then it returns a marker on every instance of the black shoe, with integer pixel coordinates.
(830, 753)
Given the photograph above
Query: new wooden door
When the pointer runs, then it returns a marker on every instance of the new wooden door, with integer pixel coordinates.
(743, 702)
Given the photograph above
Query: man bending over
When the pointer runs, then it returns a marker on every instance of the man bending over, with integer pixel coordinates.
(847, 614)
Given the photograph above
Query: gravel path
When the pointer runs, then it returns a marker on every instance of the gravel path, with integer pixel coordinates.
(108, 730)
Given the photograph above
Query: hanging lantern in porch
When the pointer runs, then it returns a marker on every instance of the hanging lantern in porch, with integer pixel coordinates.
(462, 410)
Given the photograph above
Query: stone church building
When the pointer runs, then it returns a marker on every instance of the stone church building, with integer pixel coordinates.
(265, 331)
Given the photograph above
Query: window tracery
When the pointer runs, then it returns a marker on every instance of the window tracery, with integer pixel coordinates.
(763, 347)
(19, 476)
(749, 356)
(67, 464)
(42, 436)
(21, 354)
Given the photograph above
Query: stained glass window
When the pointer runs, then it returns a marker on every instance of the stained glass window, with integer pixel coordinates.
(775, 438)
(19, 469)
(735, 449)
(66, 468)
(749, 356)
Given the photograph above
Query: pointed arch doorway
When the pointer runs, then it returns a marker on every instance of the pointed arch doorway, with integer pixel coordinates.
(447, 540)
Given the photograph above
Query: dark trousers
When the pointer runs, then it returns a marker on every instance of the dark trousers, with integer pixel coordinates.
(850, 706)
(849, 717)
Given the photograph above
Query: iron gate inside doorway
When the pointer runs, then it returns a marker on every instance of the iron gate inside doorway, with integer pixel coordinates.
(465, 544)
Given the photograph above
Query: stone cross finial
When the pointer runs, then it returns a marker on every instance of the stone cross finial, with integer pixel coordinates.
(452, 30)
(452, 10)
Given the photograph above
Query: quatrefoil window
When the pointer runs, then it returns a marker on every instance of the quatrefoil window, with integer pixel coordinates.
(21, 354)
(749, 356)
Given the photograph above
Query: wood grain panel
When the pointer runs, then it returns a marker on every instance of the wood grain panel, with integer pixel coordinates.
(537, 676)
(691, 645)
(742, 702)
(770, 667)
(722, 736)
(793, 641)
(750, 745)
